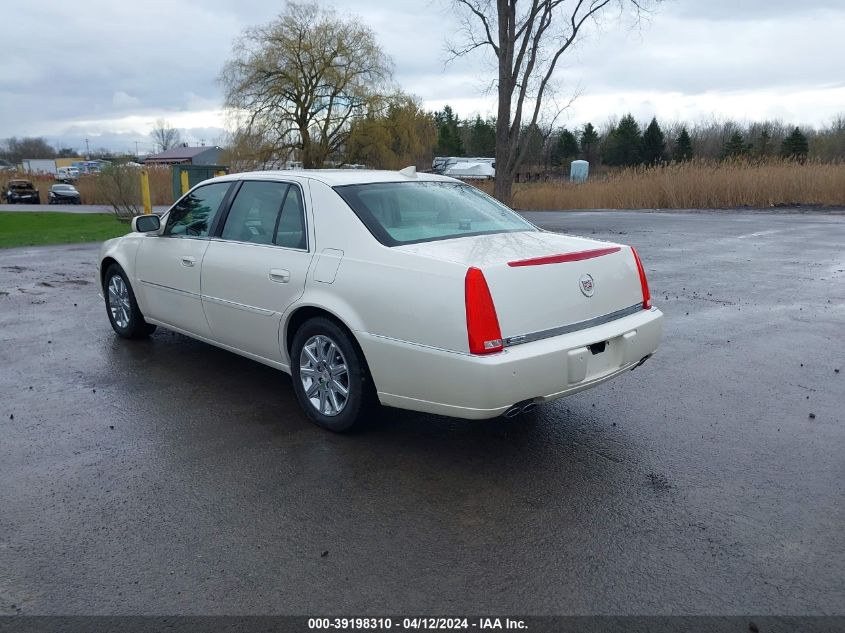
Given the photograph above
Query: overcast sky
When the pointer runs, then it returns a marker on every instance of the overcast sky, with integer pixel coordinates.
(106, 70)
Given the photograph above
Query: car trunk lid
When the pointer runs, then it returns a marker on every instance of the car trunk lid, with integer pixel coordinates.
(545, 282)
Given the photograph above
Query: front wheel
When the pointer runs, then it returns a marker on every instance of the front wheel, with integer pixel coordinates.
(329, 375)
(122, 308)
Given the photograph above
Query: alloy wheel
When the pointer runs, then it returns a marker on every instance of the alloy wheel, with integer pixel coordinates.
(324, 375)
(119, 301)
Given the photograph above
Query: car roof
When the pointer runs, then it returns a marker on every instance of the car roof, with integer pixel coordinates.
(337, 177)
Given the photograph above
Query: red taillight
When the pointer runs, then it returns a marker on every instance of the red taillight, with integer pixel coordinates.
(483, 331)
(643, 280)
(567, 257)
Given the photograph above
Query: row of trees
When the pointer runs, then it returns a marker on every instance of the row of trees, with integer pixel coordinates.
(625, 144)
(13, 150)
(398, 132)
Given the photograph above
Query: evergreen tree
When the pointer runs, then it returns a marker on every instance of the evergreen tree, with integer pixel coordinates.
(590, 143)
(623, 145)
(765, 146)
(735, 146)
(683, 146)
(482, 138)
(565, 148)
(654, 144)
(449, 141)
(795, 146)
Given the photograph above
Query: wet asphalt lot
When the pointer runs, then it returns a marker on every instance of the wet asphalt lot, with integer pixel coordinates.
(166, 476)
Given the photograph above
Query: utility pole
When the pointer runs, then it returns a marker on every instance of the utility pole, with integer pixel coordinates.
(87, 150)
(136, 149)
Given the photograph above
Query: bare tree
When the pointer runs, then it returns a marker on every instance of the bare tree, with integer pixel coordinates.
(120, 187)
(164, 135)
(250, 151)
(303, 78)
(527, 39)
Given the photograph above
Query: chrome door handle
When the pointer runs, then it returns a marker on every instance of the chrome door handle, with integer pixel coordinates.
(279, 275)
(187, 260)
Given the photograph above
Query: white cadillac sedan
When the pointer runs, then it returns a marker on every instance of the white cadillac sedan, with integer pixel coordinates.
(413, 290)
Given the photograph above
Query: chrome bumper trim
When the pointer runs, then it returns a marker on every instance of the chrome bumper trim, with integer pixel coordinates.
(573, 327)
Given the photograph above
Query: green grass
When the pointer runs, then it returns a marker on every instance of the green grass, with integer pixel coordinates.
(38, 229)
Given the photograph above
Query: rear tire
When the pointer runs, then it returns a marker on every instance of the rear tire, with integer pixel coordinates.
(325, 363)
(122, 308)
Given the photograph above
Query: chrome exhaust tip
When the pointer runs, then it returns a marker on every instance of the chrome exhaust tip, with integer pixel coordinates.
(642, 360)
(520, 407)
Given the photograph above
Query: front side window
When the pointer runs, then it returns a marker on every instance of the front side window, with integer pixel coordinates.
(193, 214)
(266, 212)
(399, 213)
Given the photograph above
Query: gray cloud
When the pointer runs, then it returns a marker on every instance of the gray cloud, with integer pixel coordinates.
(107, 69)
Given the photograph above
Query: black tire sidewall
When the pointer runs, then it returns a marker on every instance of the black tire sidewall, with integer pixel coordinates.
(357, 403)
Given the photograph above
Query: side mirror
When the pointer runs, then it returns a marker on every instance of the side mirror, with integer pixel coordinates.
(146, 223)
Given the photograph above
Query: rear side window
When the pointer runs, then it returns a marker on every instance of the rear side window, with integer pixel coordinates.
(411, 212)
(291, 231)
(193, 214)
(266, 212)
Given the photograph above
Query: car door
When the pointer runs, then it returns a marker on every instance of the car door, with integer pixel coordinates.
(167, 266)
(255, 267)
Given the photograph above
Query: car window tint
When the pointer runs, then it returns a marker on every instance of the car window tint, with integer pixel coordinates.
(193, 214)
(408, 213)
(291, 231)
(255, 212)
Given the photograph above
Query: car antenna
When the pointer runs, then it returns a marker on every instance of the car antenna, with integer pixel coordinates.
(410, 171)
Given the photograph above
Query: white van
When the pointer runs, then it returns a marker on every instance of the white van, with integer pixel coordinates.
(67, 174)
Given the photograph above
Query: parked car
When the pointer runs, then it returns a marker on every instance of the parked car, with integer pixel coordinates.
(64, 194)
(413, 290)
(21, 191)
(67, 174)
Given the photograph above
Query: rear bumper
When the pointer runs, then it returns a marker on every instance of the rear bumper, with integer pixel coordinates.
(421, 378)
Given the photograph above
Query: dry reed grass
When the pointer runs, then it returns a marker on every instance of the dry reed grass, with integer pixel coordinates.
(693, 185)
(698, 184)
(161, 188)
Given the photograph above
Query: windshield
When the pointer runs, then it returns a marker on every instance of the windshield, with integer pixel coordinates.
(63, 188)
(410, 212)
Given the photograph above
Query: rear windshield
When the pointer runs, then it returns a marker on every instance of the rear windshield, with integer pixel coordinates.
(410, 212)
